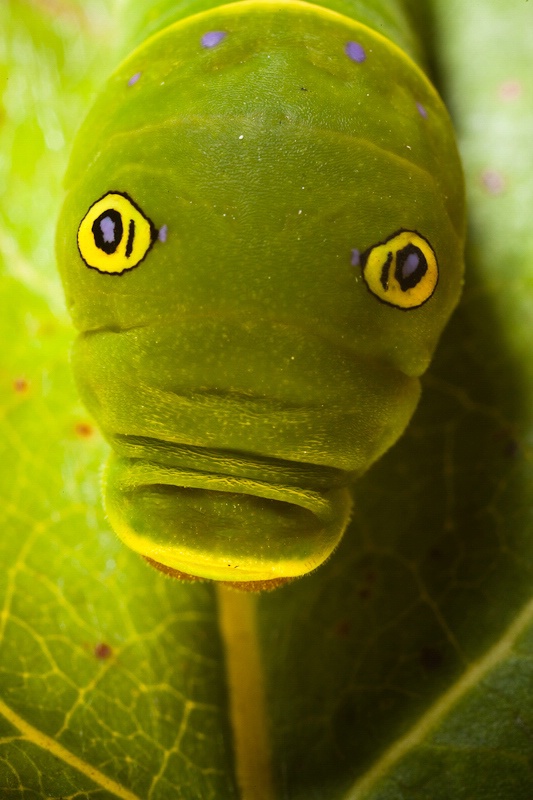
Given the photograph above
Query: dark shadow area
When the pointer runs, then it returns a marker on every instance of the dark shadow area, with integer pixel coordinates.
(434, 567)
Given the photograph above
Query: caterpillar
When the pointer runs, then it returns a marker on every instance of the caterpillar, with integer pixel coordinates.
(260, 245)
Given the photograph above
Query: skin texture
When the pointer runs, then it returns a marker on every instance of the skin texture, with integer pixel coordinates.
(302, 221)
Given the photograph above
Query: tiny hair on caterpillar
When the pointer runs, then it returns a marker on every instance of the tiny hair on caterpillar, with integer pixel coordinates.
(260, 245)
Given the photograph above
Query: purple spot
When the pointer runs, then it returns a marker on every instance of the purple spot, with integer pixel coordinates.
(410, 264)
(356, 258)
(356, 52)
(134, 78)
(422, 110)
(510, 90)
(162, 234)
(212, 38)
(493, 181)
(107, 226)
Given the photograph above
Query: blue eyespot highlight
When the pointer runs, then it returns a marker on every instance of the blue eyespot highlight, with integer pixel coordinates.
(356, 52)
(213, 38)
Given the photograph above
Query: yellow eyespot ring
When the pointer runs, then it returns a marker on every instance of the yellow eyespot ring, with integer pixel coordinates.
(402, 271)
(115, 235)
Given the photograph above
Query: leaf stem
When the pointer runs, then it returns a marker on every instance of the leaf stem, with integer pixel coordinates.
(246, 693)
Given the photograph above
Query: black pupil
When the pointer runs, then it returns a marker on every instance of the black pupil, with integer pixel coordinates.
(108, 230)
(411, 266)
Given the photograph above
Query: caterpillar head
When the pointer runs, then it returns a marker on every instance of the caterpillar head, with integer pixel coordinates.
(260, 245)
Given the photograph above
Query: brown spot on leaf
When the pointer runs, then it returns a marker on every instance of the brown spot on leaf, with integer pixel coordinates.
(21, 385)
(369, 578)
(103, 651)
(507, 444)
(83, 429)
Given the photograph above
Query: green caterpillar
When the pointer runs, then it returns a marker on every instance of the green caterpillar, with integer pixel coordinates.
(261, 243)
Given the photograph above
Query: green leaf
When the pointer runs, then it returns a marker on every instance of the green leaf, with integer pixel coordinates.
(400, 669)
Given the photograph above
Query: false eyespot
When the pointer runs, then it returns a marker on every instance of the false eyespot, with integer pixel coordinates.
(115, 235)
(402, 271)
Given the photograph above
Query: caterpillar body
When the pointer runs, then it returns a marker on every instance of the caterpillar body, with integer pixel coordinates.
(261, 243)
